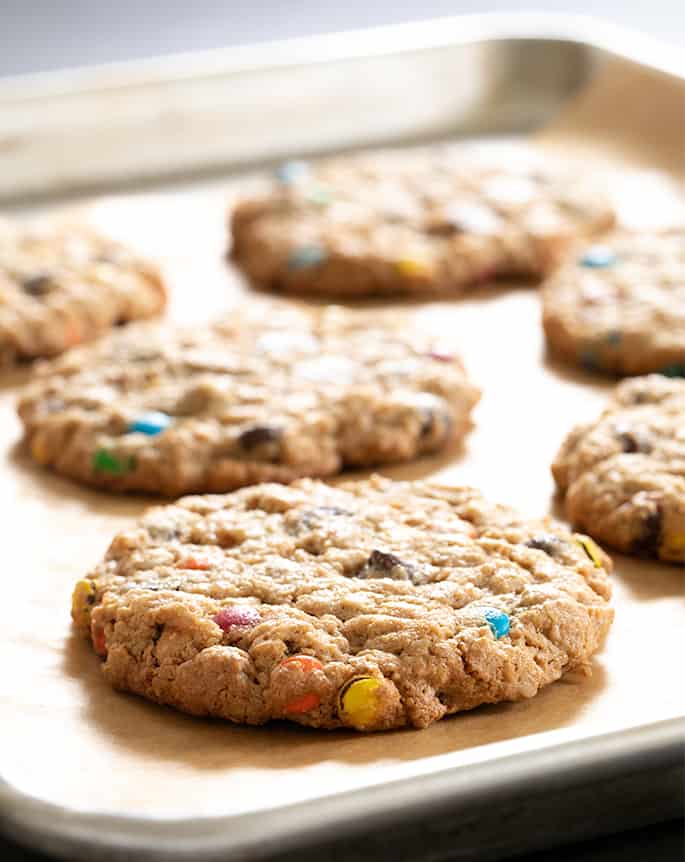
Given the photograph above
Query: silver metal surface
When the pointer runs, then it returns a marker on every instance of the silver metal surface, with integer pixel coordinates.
(219, 113)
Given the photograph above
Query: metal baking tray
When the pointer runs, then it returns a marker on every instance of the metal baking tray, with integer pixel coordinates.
(129, 143)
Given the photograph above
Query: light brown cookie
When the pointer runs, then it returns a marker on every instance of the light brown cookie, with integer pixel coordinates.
(432, 221)
(64, 285)
(619, 306)
(268, 394)
(624, 474)
(373, 605)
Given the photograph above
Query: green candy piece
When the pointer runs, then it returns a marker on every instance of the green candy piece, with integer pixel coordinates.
(105, 462)
(676, 370)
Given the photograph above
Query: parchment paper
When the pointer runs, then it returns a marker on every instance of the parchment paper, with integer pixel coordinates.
(69, 739)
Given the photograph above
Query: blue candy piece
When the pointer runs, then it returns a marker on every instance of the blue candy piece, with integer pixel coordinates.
(598, 256)
(150, 423)
(675, 370)
(292, 172)
(306, 256)
(498, 622)
(614, 337)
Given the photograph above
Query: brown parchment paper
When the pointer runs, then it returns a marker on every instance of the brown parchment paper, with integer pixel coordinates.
(67, 738)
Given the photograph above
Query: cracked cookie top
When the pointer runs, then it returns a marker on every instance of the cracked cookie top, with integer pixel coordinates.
(371, 605)
(271, 393)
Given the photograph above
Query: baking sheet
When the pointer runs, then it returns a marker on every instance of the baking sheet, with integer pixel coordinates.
(69, 740)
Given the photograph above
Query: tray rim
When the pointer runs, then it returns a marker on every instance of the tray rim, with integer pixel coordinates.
(36, 821)
(154, 839)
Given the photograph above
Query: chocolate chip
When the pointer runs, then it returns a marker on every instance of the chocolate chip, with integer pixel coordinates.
(633, 440)
(383, 565)
(647, 544)
(551, 545)
(258, 435)
(37, 285)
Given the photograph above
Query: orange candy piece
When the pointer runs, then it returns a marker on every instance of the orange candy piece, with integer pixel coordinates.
(200, 563)
(99, 642)
(302, 704)
(304, 663)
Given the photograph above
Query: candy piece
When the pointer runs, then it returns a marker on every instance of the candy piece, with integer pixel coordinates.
(358, 702)
(380, 564)
(441, 357)
(199, 563)
(82, 599)
(498, 622)
(109, 463)
(614, 337)
(547, 542)
(292, 171)
(598, 256)
(306, 256)
(675, 370)
(151, 423)
(259, 434)
(302, 704)
(97, 636)
(412, 268)
(675, 544)
(590, 548)
(303, 663)
(239, 616)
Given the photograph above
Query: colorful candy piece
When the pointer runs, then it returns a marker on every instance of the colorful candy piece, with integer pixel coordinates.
(306, 256)
(675, 544)
(614, 337)
(198, 563)
(97, 636)
(597, 257)
(303, 663)
(412, 267)
(151, 423)
(239, 616)
(82, 599)
(358, 701)
(498, 622)
(109, 463)
(292, 171)
(591, 549)
(675, 370)
(441, 357)
(302, 704)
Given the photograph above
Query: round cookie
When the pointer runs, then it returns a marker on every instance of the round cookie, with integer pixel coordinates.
(619, 306)
(372, 605)
(63, 285)
(431, 221)
(269, 394)
(624, 474)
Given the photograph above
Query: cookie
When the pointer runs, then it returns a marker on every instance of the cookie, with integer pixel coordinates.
(624, 474)
(432, 221)
(269, 394)
(372, 605)
(619, 307)
(62, 285)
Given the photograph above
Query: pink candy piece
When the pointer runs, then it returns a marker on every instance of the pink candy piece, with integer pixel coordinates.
(239, 616)
(441, 357)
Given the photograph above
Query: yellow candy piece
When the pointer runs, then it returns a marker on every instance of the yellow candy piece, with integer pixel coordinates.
(412, 268)
(358, 702)
(676, 543)
(81, 600)
(39, 449)
(590, 548)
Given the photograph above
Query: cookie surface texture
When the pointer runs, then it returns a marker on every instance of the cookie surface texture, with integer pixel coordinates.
(64, 285)
(416, 222)
(618, 306)
(264, 395)
(372, 605)
(623, 475)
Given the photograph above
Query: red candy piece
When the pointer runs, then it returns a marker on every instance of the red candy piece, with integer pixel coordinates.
(99, 643)
(239, 616)
(194, 563)
(441, 357)
(302, 704)
(304, 663)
